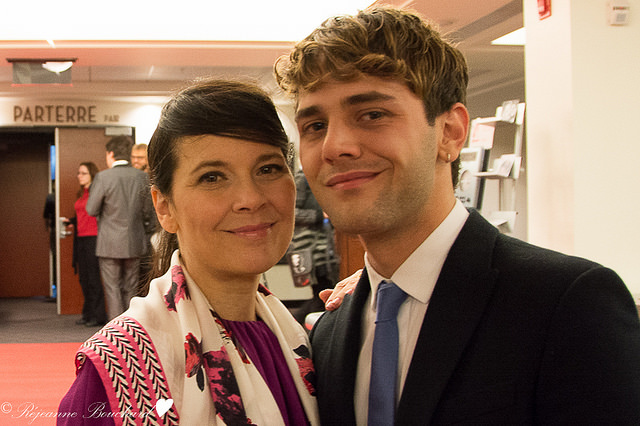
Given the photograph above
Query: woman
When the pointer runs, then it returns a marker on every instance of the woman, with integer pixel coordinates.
(85, 261)
(208, 344)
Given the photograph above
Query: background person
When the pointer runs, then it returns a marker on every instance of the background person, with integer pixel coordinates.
(492, 330)
(139, 157)
(85, 262)
(119, 198)
(208, 336)
(140, 162)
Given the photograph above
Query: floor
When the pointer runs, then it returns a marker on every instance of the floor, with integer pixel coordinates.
(35, 320)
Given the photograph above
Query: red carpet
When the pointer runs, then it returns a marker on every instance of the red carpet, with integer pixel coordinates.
(33, 379)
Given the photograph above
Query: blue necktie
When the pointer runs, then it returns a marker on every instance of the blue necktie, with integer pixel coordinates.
(384, 357)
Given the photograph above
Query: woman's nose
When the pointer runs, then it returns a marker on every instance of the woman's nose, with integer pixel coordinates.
(248, 196)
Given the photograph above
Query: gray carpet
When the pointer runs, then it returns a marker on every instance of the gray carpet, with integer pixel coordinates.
(35, 320)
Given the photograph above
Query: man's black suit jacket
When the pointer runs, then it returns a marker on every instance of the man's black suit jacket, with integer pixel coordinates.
(514, 334)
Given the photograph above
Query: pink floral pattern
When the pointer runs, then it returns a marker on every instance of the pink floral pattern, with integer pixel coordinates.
(178, 290)
(222, 382)
(193, 356)
(224, 388)
(305, 365)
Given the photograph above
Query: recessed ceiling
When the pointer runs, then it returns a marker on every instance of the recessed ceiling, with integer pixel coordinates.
(186, 20)
(147, 67)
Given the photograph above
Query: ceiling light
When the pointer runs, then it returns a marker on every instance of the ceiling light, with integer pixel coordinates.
(57, 67)
(33, 71)
(514, 38)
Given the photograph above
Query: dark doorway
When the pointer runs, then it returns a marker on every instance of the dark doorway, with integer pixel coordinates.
(25, 179)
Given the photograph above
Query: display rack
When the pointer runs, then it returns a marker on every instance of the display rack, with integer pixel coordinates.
(486, 158)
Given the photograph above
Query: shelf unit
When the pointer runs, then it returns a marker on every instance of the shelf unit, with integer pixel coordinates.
(488, 158)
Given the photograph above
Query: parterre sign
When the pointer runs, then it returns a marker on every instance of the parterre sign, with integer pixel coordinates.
(55, 114)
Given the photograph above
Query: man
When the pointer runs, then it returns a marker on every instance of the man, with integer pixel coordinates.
(140, 162)
(492, 330)
(120, 199)
(139, 157)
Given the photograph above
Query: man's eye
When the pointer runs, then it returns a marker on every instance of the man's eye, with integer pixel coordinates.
(373, 115)
(315, 126)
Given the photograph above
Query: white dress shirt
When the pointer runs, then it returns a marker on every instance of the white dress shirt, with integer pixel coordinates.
(120, 163)
(417, 276)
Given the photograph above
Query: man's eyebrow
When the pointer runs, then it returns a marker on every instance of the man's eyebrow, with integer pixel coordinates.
(307, 112)
(371, 96)
(359, 98)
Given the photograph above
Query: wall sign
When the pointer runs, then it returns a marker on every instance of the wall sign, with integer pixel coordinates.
(142, 114)
(54, 114)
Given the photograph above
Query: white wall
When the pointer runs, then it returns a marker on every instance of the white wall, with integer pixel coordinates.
(583, 94)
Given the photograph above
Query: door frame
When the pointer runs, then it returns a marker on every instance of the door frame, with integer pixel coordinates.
(75, 144)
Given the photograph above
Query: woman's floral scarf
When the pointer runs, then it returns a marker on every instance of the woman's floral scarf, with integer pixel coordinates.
(169, 360)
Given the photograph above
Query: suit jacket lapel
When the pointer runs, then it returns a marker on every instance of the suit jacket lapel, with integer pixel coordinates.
(341, 355)
(456, 306)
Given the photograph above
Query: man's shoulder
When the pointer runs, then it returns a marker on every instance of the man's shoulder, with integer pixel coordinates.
(516, 252)
(126, 171)
(521, 252)
(334, 323)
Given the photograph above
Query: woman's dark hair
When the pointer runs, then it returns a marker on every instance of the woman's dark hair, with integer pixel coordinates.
(93, 171)
(217, 107)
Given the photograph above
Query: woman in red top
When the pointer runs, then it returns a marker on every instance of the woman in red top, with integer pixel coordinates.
(84, 252)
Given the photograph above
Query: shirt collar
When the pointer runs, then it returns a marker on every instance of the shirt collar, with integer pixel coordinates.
(119, 163)
(416, 276)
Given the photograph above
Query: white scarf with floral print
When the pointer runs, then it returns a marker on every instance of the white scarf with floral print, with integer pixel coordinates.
(169, 360)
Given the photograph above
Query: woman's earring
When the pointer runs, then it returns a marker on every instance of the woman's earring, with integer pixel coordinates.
(448, 158)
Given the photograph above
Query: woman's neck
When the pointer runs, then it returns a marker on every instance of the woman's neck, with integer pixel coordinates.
(231, 297)
(231, 302)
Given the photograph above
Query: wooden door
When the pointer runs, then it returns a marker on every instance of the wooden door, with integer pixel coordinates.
(24, 174)
(351, 253)
(74, 146)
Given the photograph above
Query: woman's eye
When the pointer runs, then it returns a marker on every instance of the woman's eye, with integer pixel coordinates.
(210, 177)
(271, 169)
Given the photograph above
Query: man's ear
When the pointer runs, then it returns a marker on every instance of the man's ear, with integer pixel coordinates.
(109, 158)
(454, 134)
(163, 211)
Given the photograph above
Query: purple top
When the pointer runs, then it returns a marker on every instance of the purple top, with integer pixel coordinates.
(87, 398)
(263, 348)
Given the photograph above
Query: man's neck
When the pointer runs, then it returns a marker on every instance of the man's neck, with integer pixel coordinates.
(388, 252)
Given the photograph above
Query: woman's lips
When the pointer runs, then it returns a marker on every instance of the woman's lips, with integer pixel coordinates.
(253, 231)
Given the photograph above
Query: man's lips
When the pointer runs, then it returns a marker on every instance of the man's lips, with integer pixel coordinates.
(350, 180)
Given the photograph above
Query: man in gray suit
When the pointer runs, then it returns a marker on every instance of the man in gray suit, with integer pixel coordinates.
(119, 198)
